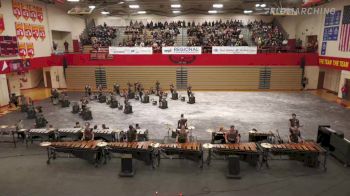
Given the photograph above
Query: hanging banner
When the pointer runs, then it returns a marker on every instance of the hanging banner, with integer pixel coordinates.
(234, 50)
(334, 62)
(19, 30)
(22, 49)
(32, 14)
(35, 31)
(16, 8)
(130, 50)
(30, 49)
(182, 50)
(25, 11)
(28, 31)
(2, 24)
(42, 33)
(39, 13)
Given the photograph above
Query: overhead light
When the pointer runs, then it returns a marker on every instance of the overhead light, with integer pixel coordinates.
(73, 0)
(122, 2)
(105, 12)
(263, 5)
(134, 6)
(176, 11)
(141, 12)
(175, 5)
(212, 11)
(218, 5)
(257, 5)
(247, 11)
(92, 6)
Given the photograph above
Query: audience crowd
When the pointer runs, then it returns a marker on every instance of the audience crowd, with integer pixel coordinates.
(266, 35)
(206, 34)
(216, 33)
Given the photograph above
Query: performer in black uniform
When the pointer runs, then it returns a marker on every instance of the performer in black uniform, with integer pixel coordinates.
(232, 136)
(172, 88)
(294, 130)
(182, 122)
(189, 91)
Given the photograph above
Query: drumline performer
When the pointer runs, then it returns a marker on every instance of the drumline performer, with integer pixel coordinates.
(88, 133)
(232, 136)
(294, 130)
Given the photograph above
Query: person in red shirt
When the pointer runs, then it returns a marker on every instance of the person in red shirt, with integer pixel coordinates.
(344, 91)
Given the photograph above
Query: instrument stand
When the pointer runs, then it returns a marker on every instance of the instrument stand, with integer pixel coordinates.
(127, 168)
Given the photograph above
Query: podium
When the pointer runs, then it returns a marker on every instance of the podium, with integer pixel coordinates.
(175, 96)
(191, 100)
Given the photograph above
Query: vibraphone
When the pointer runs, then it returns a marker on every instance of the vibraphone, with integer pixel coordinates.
(92, 151)
(71, 133)
(191, 151)
(143, 151)
(261, 136)
(41, 135)
(249, 152)
(106, 134)
(306, 152)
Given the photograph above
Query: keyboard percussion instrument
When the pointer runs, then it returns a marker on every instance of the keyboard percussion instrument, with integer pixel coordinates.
(42, 134)
(92, 151)
(308, 152)
(249, 152)
(255, 136)
(143, 151)
(7, 134)
(109, 135)
(72, 133)
(192, 151)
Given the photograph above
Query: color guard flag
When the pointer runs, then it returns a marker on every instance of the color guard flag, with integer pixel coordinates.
(344, 41)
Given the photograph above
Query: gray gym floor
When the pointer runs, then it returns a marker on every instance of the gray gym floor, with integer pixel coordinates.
(23, 171)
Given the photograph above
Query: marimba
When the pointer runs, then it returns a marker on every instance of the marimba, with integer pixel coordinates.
(71, 133)
(92, 151)
(249, 152)
(109, 135)
(41, 135)
(143, 151)
(306, 152)
(192, 151)
(260, 136)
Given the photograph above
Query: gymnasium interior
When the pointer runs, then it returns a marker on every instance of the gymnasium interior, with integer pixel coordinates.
(174, 97)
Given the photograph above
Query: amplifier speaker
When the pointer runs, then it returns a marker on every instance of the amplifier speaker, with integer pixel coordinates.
(233, 167)
(127, 166)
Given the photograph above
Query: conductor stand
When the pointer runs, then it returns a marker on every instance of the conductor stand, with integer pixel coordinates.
(127, 166)
(163, 104)
(174, 96)
(191, 99)
(128, 109)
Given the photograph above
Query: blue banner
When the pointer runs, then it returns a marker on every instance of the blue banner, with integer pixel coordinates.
(330, 33)
(332, 19)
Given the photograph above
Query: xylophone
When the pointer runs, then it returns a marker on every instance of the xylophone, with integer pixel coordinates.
(92, 151)
(41, 135)
(191, 151)
(306, 152)
(249, 152)
(72, 133)
(143, 151)
(261, 136)
(109, 135)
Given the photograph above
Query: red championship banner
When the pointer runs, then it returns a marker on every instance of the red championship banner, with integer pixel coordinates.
(28, 31)
(19, 30)
(30, 49)
(334, 62)
(35, 31)
(16, 8)
(22, 50)
(42, 33)
(39, 13)
(25, 11)
(32, 12)
(2, 24)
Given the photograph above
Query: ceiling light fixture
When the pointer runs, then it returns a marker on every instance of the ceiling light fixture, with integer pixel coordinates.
(263, 5)
(247, 11)
(73, 0)
(141, 12)
(105, 12)
(134, 6)
(92, 7)
(122, 2)
(218, 5)
(175, 5)
(212, 11)
(257, 5)
(176, 11)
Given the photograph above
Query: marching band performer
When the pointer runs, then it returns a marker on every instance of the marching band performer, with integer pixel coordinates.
(232, 136)
(294, 130)
(88, 133)
(182, 136)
